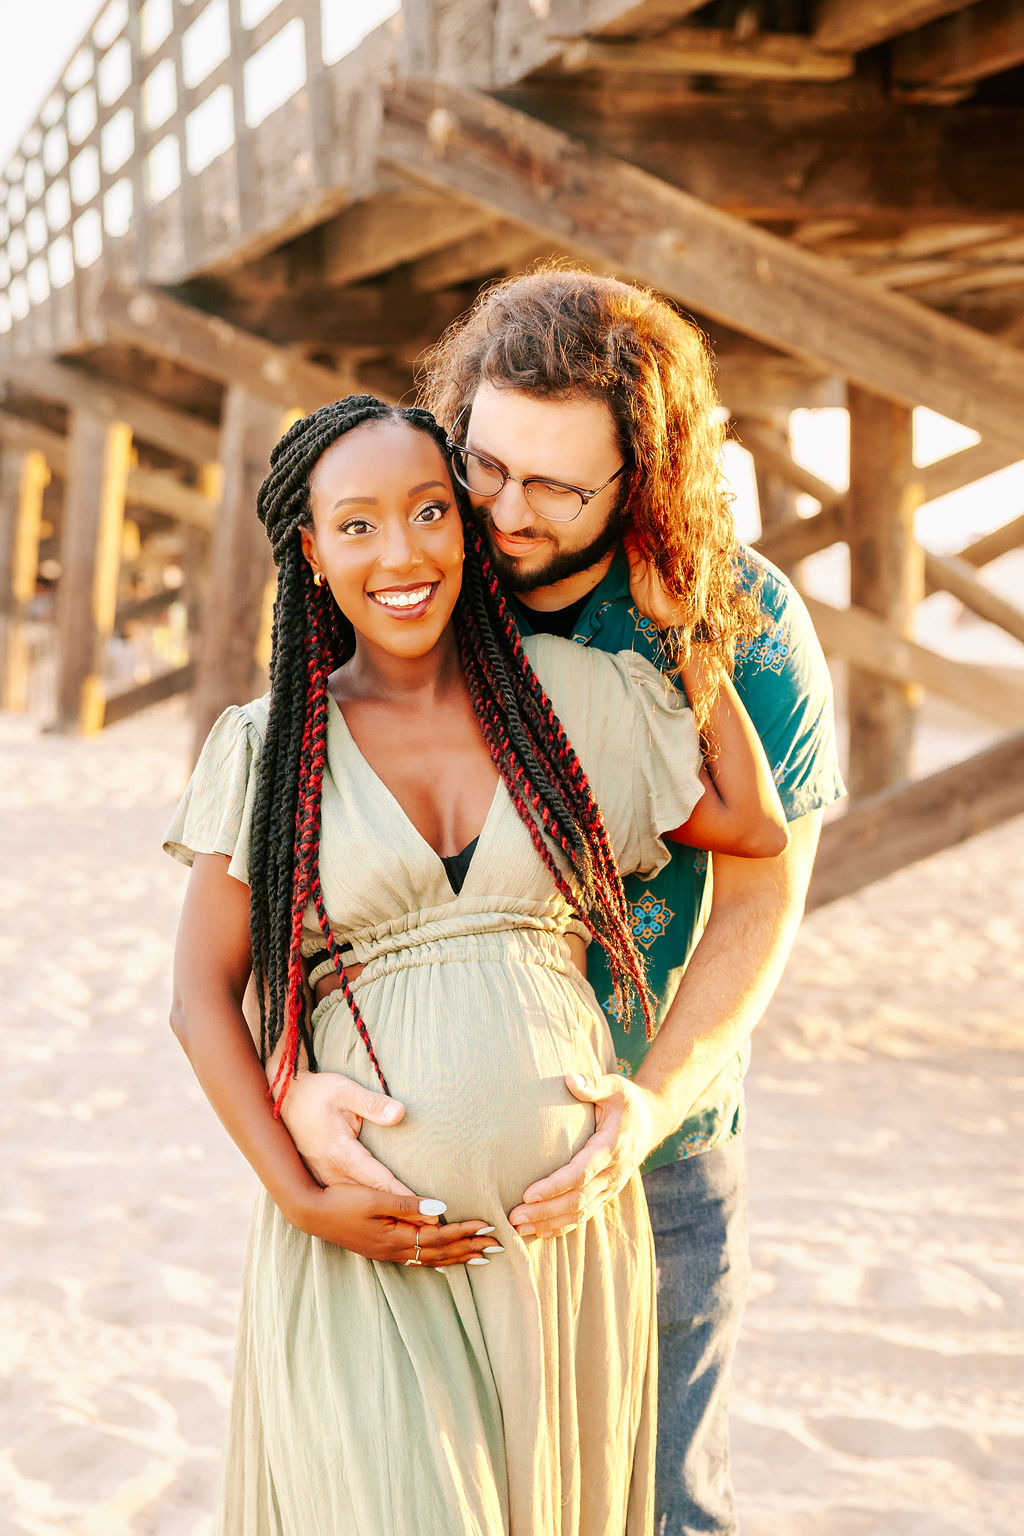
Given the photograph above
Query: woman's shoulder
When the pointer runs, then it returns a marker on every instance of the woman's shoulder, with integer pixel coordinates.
(568, 663)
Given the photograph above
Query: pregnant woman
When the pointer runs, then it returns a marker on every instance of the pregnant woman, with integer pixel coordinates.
(444, 810)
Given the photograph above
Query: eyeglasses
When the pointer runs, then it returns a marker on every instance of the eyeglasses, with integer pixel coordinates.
(550, 499)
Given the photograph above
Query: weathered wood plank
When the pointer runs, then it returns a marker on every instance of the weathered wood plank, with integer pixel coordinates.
(805, 158)
(90, 558)
(945, 573)
(151, 421)
(999, 542)
(613, 18)
(240, 562)
(710, 51)
(774, 457)
(912, 821)
(717, 265)
(962, 468)
(869, 643)
(787, 546)
(211, 346)
(498, 247)
(979, 41)
(160, 492)
(860, 24)
(373, 236)
(119, 706)
(886, 579)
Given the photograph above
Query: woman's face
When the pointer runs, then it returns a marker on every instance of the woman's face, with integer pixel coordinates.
(387, 536)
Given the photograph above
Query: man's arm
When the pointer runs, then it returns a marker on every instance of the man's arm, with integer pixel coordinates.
(756, 909)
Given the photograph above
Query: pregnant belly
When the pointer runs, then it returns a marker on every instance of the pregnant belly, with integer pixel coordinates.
(477, 1052)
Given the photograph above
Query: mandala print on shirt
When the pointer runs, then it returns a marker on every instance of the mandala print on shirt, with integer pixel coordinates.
(769, 651)
(700, 861)
(650, 919)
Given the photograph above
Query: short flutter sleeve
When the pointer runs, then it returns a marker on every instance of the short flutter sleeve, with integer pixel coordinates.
(214, 815)
(634, 734)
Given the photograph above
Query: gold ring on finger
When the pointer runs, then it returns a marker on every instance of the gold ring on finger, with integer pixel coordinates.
(415, 1260)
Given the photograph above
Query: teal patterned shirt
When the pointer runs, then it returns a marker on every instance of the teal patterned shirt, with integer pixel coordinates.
(784, 682)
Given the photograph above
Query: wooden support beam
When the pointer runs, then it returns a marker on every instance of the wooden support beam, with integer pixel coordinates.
(888, 831)
(805, 158)
(945, 573)
(709, 51)
(776, 494)
(999, 542)
(24, 476)
(160, 492)
(982, 40)
(498, 247)
(211, 346)
(611, 18)
(886, 579)
(240, 561)
(787, 546)
(90, 558)
(151, 488)
(151, 421)
(860, 24)
(869, 643)
(775, 457)
(374, 236)
(148, 607)
(717, 265)
(119, 706)
(963, 468)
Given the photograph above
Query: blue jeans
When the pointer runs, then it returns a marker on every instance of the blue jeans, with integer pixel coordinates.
(699, 1214)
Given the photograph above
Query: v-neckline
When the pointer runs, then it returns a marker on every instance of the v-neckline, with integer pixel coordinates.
(407, 820)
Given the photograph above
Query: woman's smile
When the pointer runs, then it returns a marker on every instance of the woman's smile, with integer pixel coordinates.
(406, 602)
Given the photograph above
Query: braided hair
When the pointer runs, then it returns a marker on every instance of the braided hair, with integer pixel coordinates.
(311, 638)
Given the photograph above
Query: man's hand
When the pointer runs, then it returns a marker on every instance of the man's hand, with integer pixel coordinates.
(629, 1127)
(324, 1113)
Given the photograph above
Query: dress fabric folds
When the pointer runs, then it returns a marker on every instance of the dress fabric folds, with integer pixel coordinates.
(516, 1399)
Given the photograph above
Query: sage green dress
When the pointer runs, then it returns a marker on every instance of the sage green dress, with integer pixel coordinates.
(373, 1399)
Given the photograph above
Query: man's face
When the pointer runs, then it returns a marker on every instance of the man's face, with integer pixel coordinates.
(569, 441)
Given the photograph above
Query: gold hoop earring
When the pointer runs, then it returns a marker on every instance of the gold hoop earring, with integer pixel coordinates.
(318, 579)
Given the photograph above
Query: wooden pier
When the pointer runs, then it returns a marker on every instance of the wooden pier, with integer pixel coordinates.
(226, 211)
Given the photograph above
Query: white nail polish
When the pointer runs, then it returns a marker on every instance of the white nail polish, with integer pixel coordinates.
(432, 1207)
(494, 1250)
(478, 1258)
(483, 1232)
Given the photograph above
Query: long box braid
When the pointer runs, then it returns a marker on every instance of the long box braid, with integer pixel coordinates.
(524, 737)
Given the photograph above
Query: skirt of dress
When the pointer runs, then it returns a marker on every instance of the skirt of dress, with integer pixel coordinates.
(516, 1399)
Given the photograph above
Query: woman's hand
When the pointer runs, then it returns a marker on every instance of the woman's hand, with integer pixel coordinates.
(647, 589)
(394, 1228)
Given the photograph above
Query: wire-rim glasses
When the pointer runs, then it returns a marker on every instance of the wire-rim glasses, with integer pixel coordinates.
(553, 500)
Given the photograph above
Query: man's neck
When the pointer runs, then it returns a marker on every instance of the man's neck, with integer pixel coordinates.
(564, 593)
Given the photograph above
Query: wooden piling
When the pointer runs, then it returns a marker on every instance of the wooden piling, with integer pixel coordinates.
(886, 579)
(24, 476)
(240, 562)
(90, 556)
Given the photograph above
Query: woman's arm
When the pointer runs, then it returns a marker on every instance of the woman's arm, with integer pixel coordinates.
(212, 962)
(739, 812)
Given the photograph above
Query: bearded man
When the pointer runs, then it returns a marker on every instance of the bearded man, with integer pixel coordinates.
(584, 422)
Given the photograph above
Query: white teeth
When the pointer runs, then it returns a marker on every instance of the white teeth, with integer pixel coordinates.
(402, 599)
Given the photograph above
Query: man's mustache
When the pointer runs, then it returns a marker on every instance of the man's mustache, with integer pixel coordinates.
(486, 522)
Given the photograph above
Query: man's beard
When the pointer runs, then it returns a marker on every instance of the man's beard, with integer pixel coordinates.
(562, 565)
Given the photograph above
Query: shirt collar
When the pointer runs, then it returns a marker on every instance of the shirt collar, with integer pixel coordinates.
(613, 584)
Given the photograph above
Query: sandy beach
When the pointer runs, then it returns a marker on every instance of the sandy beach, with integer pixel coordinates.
(880, 1382)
